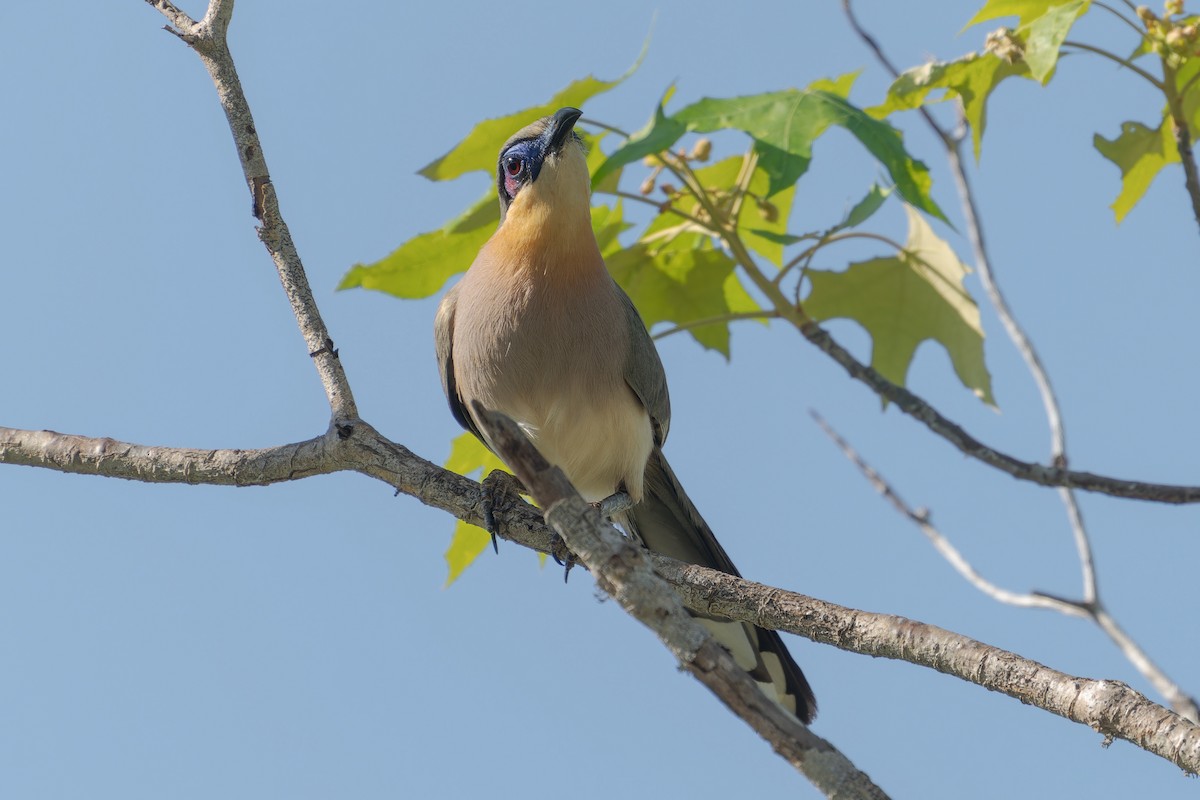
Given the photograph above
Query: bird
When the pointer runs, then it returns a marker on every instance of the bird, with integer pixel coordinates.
(538, 330)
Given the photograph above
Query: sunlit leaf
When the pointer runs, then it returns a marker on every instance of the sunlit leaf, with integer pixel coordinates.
(1045, 36)
(659, 134)
(1025, 10)
(682, 285)
(465, 546)
(864, 209)
(785, 124)
(971, 78)
(905, 299)
(468, 457)
(1042, 25)
(477, 151)
(1140, 153)
(422, 265)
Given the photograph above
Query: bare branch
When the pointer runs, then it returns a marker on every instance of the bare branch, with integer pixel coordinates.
(207, 38)
(362, 449)
(1040, 474)
(1108, 707)
(1057, 475)
(621, 569)
(114, 459)
(948, 551)
(1089, 608)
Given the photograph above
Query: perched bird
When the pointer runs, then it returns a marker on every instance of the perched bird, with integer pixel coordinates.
(538, 330)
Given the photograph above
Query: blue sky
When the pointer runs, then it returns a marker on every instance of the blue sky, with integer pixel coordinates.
(297, 641)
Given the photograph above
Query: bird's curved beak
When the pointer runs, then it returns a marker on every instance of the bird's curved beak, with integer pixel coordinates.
(561, 125)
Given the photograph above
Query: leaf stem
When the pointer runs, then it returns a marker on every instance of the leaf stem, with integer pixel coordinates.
(669, 209)
(732, 316)
(604, 125)
(1100, 51)
(1138, 29)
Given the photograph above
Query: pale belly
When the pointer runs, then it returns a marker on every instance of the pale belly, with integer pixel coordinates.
(560, 375)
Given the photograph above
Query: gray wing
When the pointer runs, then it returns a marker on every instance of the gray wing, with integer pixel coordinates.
(443, 339)
(644, 372)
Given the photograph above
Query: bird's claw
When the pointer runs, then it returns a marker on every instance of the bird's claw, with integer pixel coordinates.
(498, 489)
(569, 562)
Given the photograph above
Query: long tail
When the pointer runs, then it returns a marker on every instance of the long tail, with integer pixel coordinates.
(668, 523)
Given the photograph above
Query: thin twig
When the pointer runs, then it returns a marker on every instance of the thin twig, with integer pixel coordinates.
(663, 208)
(1136, 28)
(1124, 62)
(1091, 605)
(921, 518)
(207, 39)
(1090, 609)
(732, 316)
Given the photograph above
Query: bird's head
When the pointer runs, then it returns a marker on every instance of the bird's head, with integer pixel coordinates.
(542, 168)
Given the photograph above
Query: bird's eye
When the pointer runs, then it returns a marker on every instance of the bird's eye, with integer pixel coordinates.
(513, 165)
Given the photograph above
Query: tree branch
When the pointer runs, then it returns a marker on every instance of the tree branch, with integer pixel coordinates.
(622, 570)
(1109, 707)
(1040, 474)
(1057, 475)
(207, 38)
(1090, 606)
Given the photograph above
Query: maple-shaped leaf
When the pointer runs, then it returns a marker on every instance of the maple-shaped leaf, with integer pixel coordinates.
(682, 285)
(1140, 152)
(1042, 27)
(971, 78)
(422, 265)
(905, 299)
(477, 150)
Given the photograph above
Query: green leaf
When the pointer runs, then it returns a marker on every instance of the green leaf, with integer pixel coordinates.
(1041, 24)
(595, 159)
(682, 285)
(478, 150)
(785, 124)
(660, 133)
(468, 457)
(608, 224)
(863, 209)
(1025, 10)
(465, 546)
(905, 299)
(1140, 153)
(971, 78)
(422, 265)
(1045, 36)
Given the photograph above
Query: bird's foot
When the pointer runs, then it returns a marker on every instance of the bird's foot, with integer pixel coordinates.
(614, 504)
(567, 563)
(499, 490)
